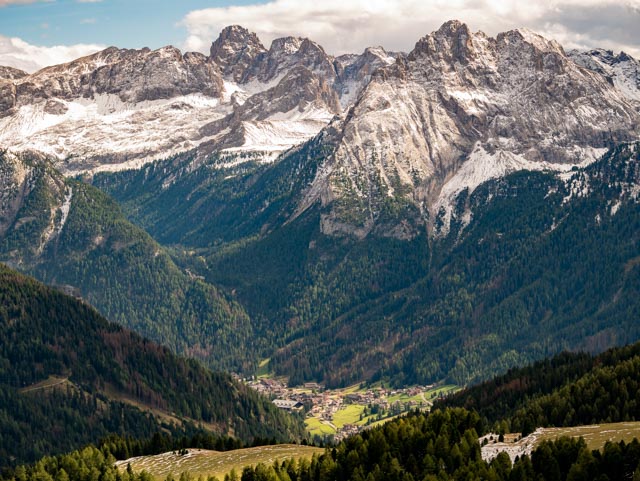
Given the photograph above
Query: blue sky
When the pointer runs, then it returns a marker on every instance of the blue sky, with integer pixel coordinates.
(37, 33)
(123, 23)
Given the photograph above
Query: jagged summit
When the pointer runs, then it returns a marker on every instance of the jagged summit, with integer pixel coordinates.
(235, 50)
(461, 109)
(414, 120)
(453, 41)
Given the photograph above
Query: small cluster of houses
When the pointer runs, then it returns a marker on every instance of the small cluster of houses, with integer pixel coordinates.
(271, 388)
(348, 430)
(323, 404)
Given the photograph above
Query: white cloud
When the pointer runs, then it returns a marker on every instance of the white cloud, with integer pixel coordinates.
(342, 26)
(6, 3)
(15, 52)
(88, 21)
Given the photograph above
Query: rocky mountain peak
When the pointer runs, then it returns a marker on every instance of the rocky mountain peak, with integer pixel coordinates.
(158, 74)
(372, 53)
(624, 57)
(408, 122)
(464, 108)
(453, 29)
(452, 42)
(235, 50)
(10, 73)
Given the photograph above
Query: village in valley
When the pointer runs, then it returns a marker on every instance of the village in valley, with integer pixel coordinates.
(333, 414)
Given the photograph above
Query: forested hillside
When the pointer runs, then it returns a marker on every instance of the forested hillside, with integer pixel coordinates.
(442, 445)
(68, 377)
(70, 234)
(567, 390)
(534, 263)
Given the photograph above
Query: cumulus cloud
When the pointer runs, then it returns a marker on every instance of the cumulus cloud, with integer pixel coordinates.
(350, 26)
(15, 52)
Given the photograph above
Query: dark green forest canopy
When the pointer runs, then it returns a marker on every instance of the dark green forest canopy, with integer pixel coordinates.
(442, 445)
(545, 265)
(567, 390)
(46, 333)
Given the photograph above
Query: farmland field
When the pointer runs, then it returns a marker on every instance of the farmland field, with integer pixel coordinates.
(202, 462)
(316, 426)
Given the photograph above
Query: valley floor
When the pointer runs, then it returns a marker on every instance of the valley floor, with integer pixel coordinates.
(342, 412)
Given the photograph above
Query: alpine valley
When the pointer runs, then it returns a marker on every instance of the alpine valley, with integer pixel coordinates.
(443, 214)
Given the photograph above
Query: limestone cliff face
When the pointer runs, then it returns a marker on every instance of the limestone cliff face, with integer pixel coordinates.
(460, 109)
(621, 70)
(133, 75)
(120, 108)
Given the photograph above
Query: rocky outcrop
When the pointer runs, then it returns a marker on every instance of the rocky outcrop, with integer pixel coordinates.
(355, 71)
(235, 51)
(622, 70)
(10, 73)
(407, 132)
(133, 75)
(122, 108)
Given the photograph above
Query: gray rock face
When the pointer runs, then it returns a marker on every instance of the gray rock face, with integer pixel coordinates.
(10, 73)
(7, 97)
(300, 97)
(243, 59)
(133, 75)
(407, 133)
(122, 108)
(354, 71)
(8, 88)
(622, 70)
(235, 51)
(460, 109)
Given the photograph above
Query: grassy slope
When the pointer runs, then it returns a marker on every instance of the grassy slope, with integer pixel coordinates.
(214, 463)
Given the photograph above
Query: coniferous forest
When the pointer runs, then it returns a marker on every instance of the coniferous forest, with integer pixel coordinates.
(442, 445)
(68, 378)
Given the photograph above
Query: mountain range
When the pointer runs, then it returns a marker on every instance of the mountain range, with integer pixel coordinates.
(444, 213)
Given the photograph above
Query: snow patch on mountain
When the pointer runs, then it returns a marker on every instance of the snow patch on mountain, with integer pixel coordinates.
(482, 166)
(106, 126)
(622, 69)
(277, 135)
